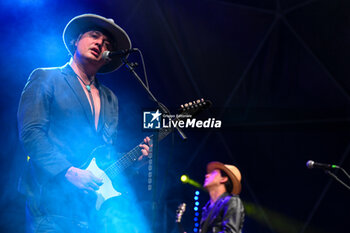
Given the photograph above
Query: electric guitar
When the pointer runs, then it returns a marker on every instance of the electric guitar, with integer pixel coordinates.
(179, 212)
(108, 173)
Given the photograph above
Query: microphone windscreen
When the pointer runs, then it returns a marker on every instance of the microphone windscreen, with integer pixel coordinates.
(310, 164)
(105, 55)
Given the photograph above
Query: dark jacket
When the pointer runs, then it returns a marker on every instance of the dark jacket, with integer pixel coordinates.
(225, 215)
(56, 126)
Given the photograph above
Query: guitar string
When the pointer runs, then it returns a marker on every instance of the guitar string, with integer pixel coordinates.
(122, 163)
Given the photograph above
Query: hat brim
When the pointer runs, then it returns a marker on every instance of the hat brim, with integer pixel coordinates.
(82, 23)
(236, 183)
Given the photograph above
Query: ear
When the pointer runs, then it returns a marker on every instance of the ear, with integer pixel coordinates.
(75, 41)
(224, 179)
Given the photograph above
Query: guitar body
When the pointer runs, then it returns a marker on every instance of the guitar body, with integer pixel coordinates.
(106, 190)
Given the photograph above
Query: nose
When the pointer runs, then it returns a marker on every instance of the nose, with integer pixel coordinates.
(99, 43)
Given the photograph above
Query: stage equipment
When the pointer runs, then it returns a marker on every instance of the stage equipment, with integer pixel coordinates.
(186, 180)
(312, 164)
(327, 169)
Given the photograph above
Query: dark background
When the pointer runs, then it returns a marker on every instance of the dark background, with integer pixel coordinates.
(277, 72)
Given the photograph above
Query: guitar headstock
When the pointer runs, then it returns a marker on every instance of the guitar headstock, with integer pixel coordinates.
(180, 211)
(194, 107)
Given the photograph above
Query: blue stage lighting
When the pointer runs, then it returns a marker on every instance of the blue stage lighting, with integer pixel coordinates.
(196, 224)
(195, 219)
(196, 214)
(196, 203)
(195, 229)
(24, 3)
(195, 198)
(195, 208)
(197, 193)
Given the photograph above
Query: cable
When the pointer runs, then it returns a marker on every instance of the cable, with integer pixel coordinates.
(143, 66)
(343, 170)
(337, 179)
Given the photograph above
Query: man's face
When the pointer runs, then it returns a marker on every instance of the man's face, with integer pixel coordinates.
(91, 46)
(214, 178)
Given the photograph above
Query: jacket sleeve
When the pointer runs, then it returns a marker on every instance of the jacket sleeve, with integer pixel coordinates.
(33, 124)
(233, 217)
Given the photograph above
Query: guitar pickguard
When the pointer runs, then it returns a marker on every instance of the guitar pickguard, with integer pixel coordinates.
(106, 190)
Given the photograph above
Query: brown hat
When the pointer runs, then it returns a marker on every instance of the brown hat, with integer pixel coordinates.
(232, 171)
(81, 23)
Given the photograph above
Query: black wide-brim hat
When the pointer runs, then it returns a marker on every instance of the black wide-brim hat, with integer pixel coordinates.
(86, 22)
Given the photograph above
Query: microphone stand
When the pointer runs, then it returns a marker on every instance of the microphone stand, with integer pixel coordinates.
(164, 109)
(337, 179)
(326, 167)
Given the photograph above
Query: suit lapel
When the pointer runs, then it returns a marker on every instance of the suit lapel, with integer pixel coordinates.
(101, 119)
(76, 87)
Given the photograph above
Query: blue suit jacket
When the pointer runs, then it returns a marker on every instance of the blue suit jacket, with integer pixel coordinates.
(56, 126)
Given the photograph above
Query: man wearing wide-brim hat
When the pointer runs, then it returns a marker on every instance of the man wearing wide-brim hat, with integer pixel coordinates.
(224, 212)
(64, 113)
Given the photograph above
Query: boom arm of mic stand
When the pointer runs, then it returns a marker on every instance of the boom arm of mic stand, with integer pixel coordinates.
(161, 106)
(337, 179)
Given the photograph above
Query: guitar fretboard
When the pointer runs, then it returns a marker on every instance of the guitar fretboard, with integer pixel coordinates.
(129, 158)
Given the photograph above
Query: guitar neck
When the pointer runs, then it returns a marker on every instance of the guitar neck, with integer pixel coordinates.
(129, 158)
(180, 211)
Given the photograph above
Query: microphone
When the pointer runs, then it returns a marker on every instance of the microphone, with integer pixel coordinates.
(108, 55)
(312, 164)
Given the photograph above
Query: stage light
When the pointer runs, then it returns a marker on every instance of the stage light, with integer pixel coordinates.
(196, 203)
(24, 3)
(184, 178)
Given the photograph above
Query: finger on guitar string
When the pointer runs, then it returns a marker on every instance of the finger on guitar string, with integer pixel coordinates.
(145, 149)
(88, 189)
(83, 179)
(147, 140)
(93, 186)
(98, 181)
